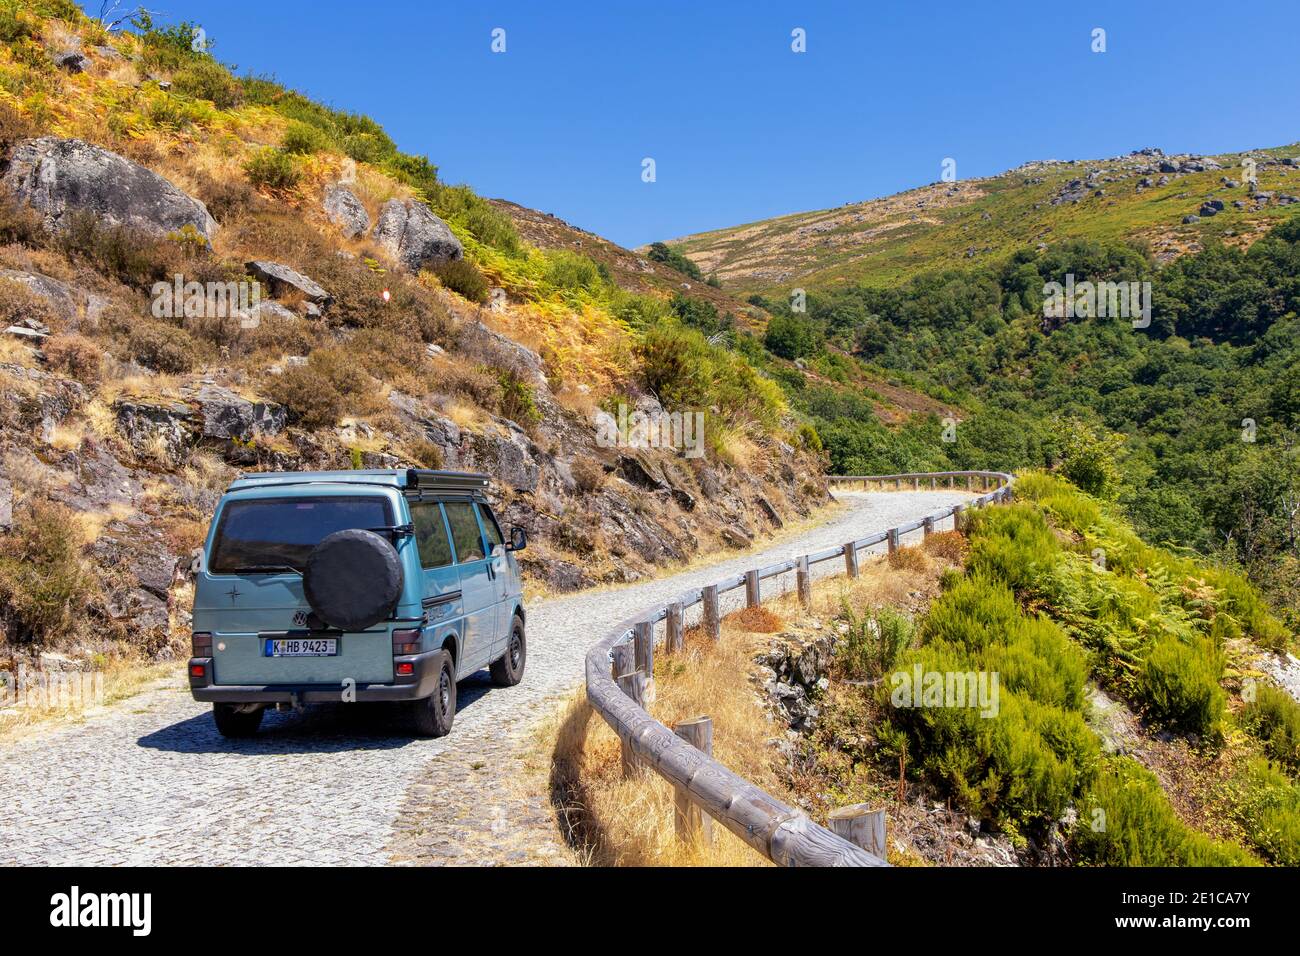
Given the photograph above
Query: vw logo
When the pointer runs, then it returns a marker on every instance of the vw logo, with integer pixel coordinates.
(300, 618)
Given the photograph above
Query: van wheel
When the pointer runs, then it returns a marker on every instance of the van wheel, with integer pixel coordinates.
(508, 669)
(434, 714)
(237, 720)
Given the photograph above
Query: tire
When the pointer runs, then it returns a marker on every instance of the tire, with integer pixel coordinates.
(352, 579)
(508, 669)
(435, 713)
(232, 721)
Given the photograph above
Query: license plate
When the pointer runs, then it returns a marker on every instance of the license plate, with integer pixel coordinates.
(302, 647)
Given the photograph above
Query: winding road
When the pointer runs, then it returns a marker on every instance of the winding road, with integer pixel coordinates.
(148, 781)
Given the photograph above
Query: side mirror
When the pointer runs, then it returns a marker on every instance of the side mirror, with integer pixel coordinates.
(518, 540)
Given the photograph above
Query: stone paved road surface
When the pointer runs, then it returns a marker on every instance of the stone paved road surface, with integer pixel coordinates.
(149, 780)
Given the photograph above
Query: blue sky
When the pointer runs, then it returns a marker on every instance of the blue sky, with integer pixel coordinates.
(742, 128)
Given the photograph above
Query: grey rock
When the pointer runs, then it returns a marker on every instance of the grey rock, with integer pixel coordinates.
(60, 176)
(74, 61)
(74, 305)
(266, 309)
(147, 424)
(508, 458)
(1189, 219)
(6, 504)
(346, 211)
(1207, 211)
(498, 351)
(227, 415)
(280, 279)
(414, 235)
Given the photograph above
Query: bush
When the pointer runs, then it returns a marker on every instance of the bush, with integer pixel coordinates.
(517, 400)
(1125, 820)
(272, 168)
(1274, 717)
(873, 642)
(304, 139)
(134, 258)
(1179, 683)
(1090, 458)
(674, 259)
(207, 79)
(1266, 804)
(319, 393)
(164, 348)
(463, 277)
(75, 355)
(791, 337)
(588, 474)
(45, 581)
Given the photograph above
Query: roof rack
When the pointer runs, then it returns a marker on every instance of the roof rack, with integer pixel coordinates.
(425, 479)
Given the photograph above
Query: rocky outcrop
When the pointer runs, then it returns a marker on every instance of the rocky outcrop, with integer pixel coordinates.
(223, 414)
(157, 428)
(281, 280)
(73, 305)
(57, 177)
(346, 211)
(793, 672)
(414, 236)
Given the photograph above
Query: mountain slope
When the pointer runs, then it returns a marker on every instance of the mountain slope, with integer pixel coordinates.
(1143, 196)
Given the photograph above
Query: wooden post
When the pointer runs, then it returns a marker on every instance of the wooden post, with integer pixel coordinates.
(673, 640)
(753, 593)
(928, 527)
(861, 826)
(969, 482)
(803, 580)
(633, 685)
(712, 620)
(958, 517)
(643, 640)
(933, 482)
(893, 540)
(916, 484)
(952, 481)
(692, 823)
(898, 483)
(623, 659)
(851, 559)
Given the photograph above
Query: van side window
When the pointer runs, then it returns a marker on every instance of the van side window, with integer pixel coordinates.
(490, 527)
(464, 531)
(430, 535)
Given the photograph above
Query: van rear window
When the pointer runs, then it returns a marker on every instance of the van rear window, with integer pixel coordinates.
(278, 533)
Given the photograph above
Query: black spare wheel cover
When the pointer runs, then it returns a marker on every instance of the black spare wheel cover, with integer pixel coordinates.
(353, 579)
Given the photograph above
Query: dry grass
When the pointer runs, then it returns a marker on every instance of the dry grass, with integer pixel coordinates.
(122, 678)
(755, 620)
(614, 821)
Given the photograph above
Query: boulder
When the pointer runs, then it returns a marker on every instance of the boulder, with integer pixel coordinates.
(281, 279)
(227, 415)
(496, 350)
(150, 425)
(74, 305)
(414, 235)
(346, 211)
(60, 176)
(74, 61)
(508, 458)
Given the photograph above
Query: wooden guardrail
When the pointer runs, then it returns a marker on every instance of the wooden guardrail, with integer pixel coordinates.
(620, 667)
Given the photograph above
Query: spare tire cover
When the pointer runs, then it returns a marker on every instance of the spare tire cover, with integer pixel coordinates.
(352, 579)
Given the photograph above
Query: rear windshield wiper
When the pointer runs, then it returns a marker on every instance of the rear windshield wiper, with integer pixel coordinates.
(265, 569)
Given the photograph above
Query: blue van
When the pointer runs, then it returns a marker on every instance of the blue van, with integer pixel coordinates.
(348, 586)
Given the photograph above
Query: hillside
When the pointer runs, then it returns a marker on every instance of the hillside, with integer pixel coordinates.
(202, 273)
(1142, 197)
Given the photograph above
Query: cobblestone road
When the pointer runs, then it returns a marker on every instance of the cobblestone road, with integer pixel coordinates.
(149, 780)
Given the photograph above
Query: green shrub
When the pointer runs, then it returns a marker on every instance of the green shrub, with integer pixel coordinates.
(463, 277)
(517, 401)
(1090, 457)
(272, 168)
(1125, 820)
(1274, 717)
(45, 580)
(301, 138)
(1179, 684)
(163, 348)
(207, 79)
(790, 337)
(873, 641)
(674, 259)
(1266, 805)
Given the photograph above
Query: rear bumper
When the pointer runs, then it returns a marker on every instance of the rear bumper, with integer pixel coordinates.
(417, 686)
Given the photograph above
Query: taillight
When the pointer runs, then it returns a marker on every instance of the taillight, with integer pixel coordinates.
(406, 642)
(199, 670)
(405, 668)
(201, 645)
